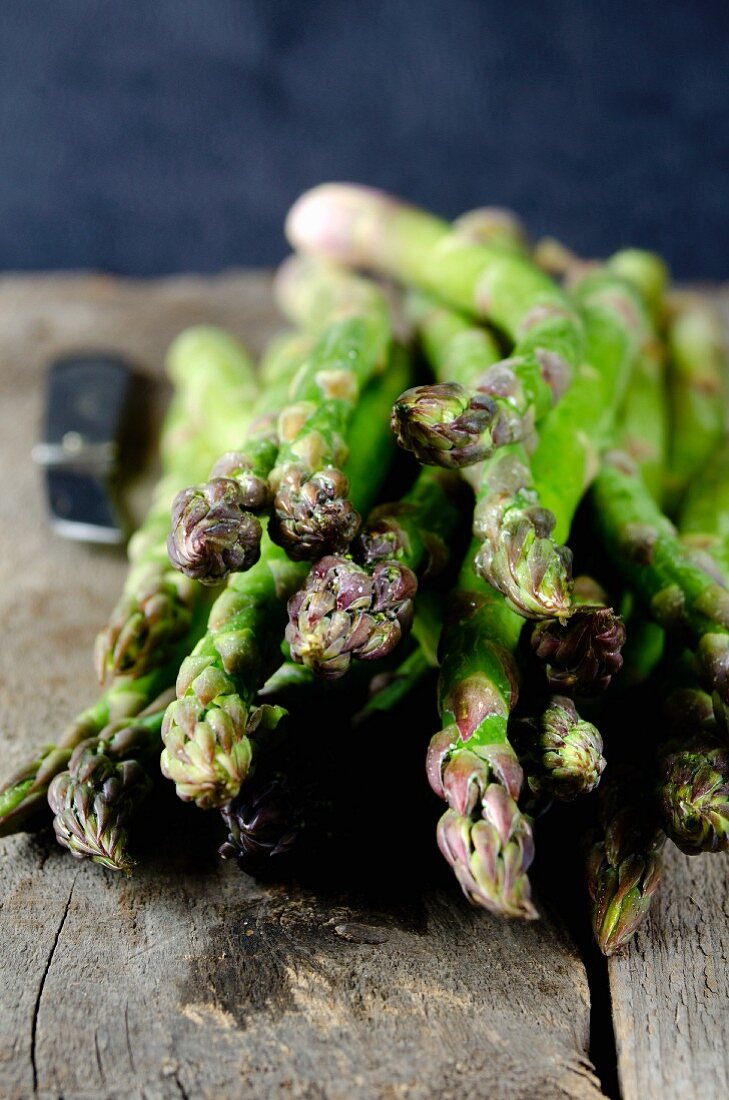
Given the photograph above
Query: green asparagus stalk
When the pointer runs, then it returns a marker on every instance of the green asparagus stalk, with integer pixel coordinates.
(625, 861)
(94, 801)
(560, 753)
(495, 227)
(526, 503)
(311, 513)
(471, 764)
(704, 517)
(157, 605)
(211, 375)
(361, 605)
(682, 597)
(207, 731)
(476, 403)
(648, 274)
(159, 615)
(696, 377)
(643, 421)
(215, 526)
(362, 227)
(23, 795)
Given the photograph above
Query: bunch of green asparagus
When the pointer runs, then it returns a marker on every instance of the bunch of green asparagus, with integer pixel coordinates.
(554, 555)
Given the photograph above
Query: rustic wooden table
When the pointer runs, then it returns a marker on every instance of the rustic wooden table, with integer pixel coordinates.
(191, 980)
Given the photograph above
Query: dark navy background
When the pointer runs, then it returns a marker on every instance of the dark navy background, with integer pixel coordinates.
(145, 136)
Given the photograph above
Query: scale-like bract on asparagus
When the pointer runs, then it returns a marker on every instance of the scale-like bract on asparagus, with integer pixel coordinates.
(516, 551)
(264, 822)
(206, 731)
(156, 608)
(215, 526)
(108, 777)
(360, 606)
(312, 515)
(346, 611)
(483, 835)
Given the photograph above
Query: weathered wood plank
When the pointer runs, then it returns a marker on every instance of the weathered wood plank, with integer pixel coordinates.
(189, 979)
(670, 990)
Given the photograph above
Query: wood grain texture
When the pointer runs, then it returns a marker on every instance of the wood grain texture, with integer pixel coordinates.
(190, 979)
(670, 989)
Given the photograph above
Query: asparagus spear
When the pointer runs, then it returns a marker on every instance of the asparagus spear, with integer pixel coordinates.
(264, 822)
(680, 596)
(560, 753)
(495, 227)
(157, 605)
(362, 227)
(471, 765)
(693, 766)
(311, 513)
(648, 274)
(461, 418)
(694, 791)
(581, 655)
(206, 732)
(625, 861)
(149, 630)
(704, 517)
(525, 503)
(211, 374)
(108, 777)
(24, 793)
(697, 368)
(475, 404)
(359, 606)
(215, 526)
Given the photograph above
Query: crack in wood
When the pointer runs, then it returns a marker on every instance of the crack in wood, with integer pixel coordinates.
(180, 1086)
(41, 987)
(129, 1042)
(102, 1075)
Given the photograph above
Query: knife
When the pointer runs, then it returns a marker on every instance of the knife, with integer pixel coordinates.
(86, 401)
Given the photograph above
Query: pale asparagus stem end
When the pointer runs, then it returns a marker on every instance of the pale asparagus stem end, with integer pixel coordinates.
(333, 218)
